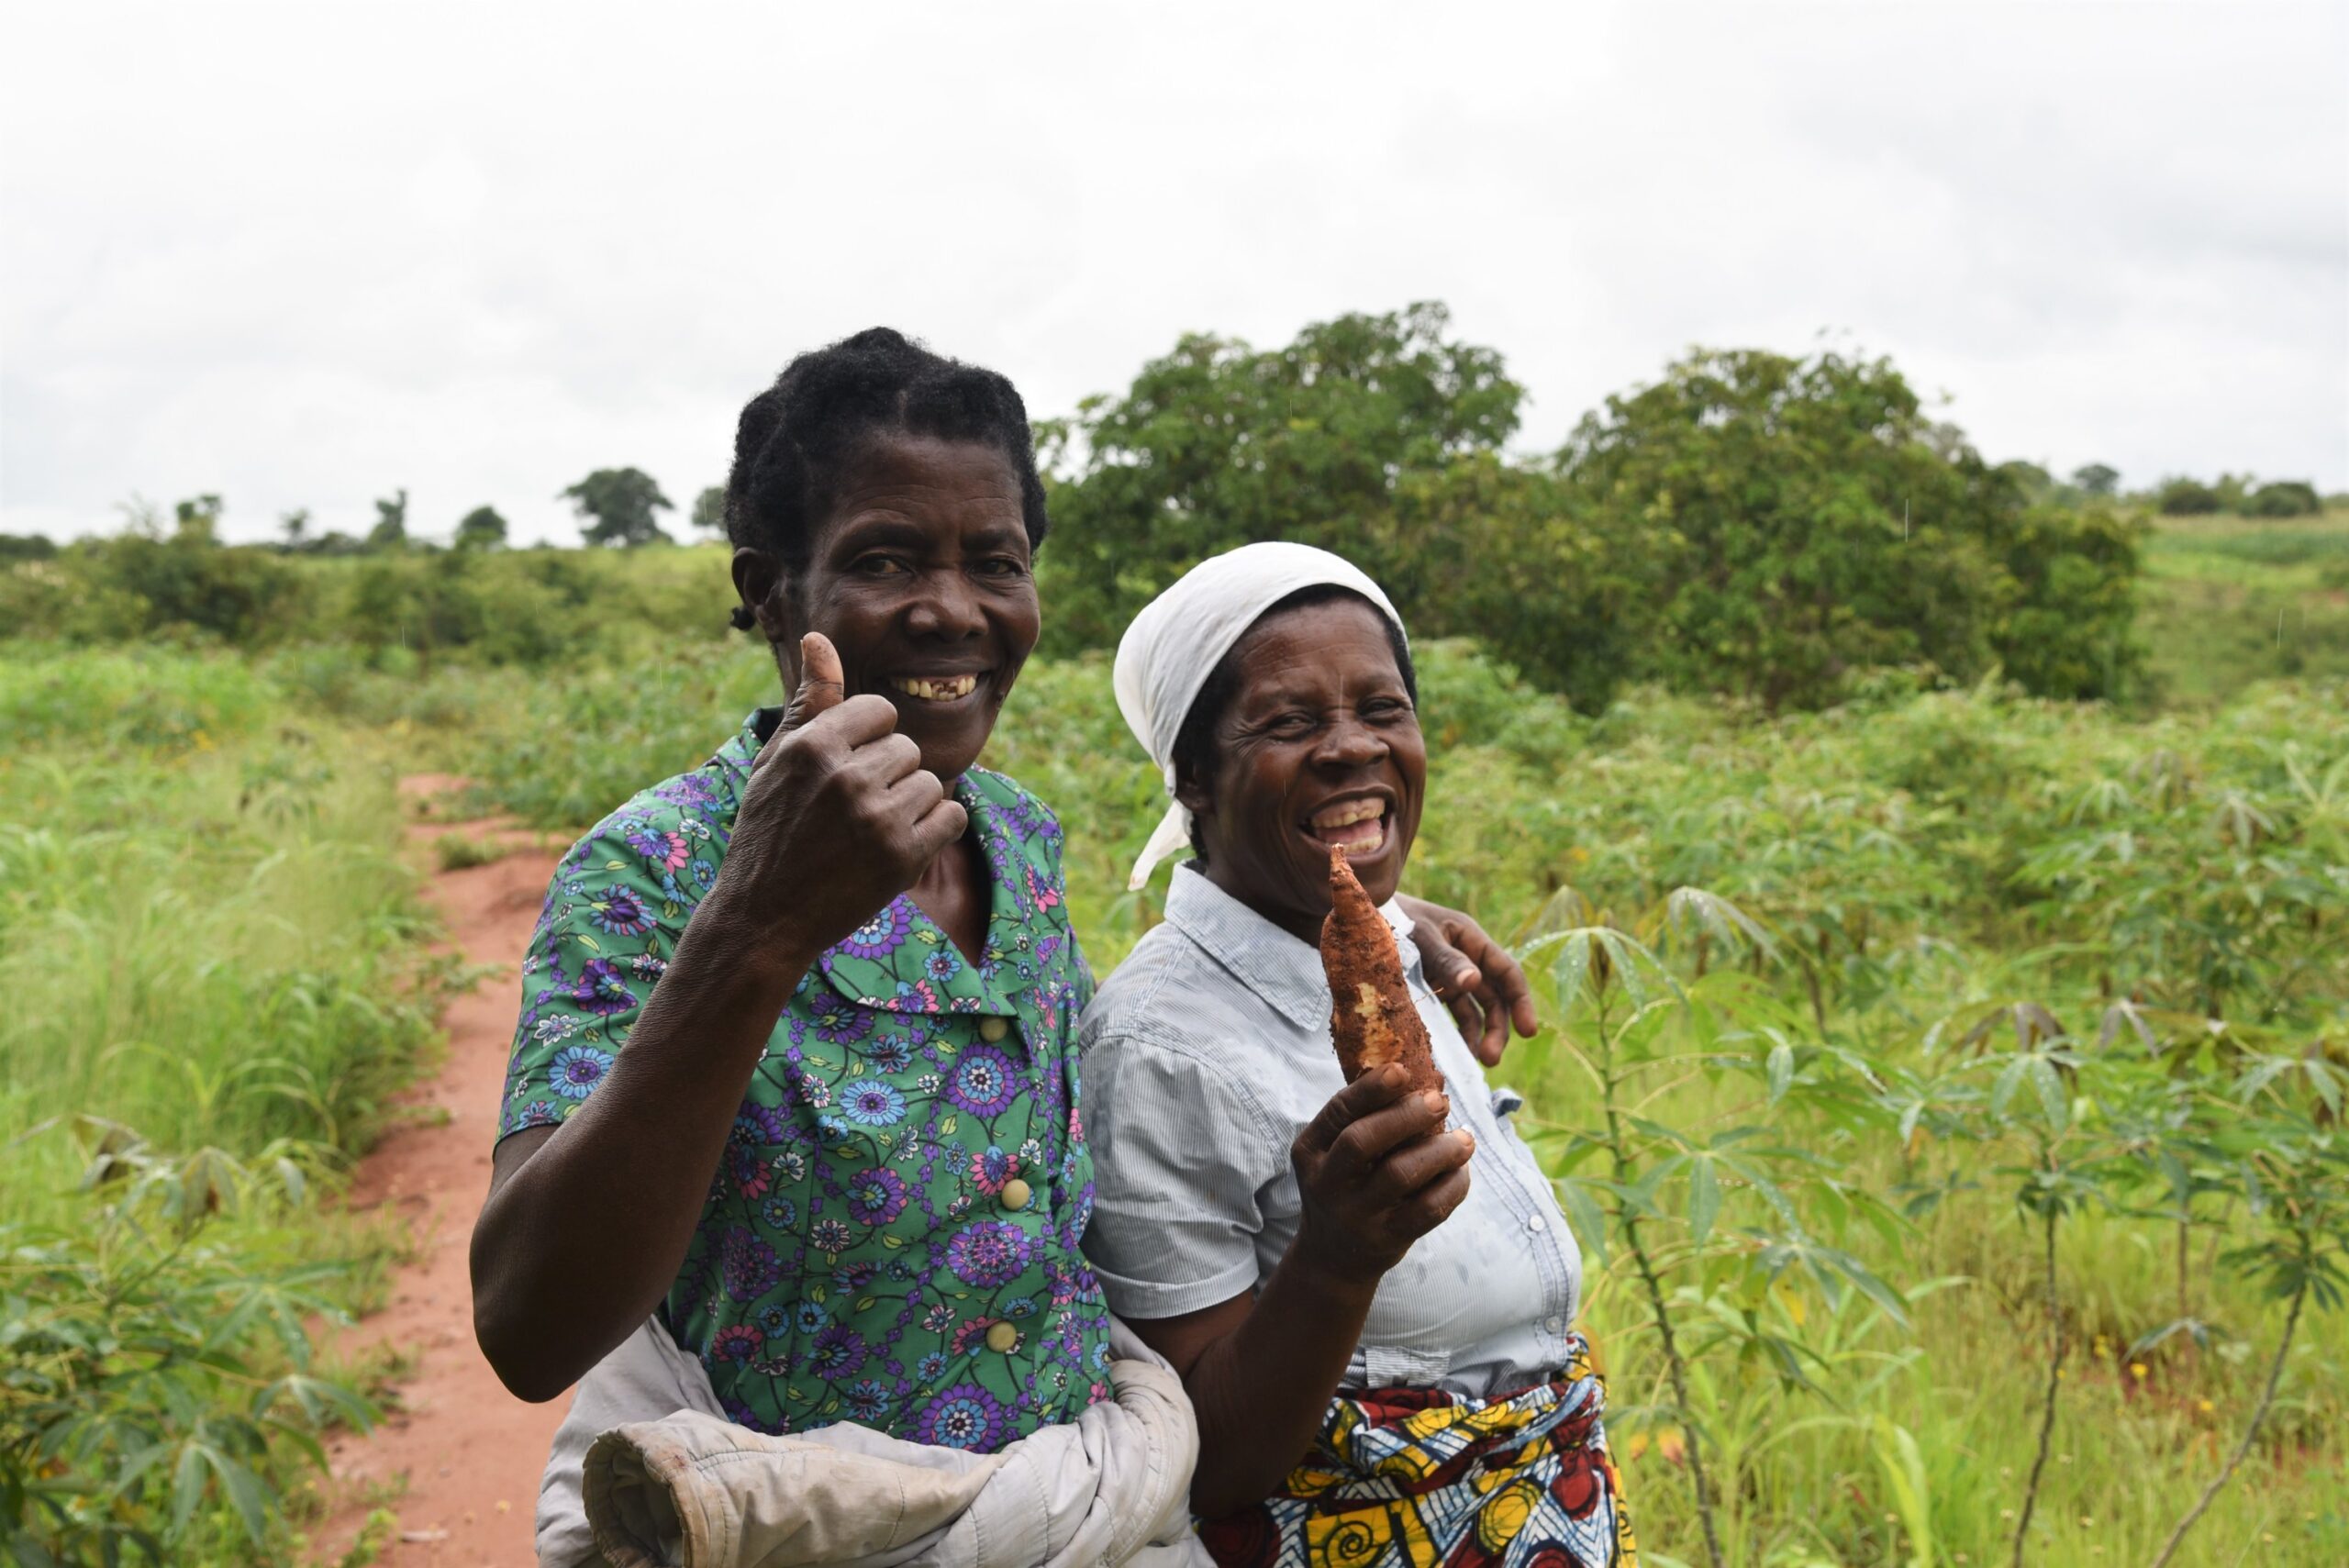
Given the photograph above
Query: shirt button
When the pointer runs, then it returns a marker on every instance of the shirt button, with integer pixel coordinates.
(1017, 1194)
(1535, 1223)
(1001, 1337)
(992, 1027)
(1552, 1324)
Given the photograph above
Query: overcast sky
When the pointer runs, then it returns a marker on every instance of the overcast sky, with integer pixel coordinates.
(304, 255)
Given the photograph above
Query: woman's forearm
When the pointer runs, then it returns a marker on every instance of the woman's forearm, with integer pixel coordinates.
(579, 1243)
(1263, 1390)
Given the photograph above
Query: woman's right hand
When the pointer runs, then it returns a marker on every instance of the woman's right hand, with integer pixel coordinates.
(839, 816)
(1376, 1172)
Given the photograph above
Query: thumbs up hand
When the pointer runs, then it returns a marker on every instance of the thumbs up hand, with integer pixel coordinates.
(838, 817)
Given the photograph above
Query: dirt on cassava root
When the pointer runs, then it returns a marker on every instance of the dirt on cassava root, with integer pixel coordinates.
(1371, 1021)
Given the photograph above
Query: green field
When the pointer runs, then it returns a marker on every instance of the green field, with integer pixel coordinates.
(1779, 1106)
(2228, 600)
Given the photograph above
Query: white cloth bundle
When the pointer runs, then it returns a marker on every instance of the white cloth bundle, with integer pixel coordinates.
(646, 1471)
(1179, 638)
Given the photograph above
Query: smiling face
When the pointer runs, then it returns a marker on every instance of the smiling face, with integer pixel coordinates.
(920, 575)
(1318, 746)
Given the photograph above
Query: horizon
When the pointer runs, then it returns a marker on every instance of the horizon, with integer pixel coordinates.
(476, 256)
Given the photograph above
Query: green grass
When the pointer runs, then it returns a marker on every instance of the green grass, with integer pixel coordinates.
(2227, 601)
(206, 934)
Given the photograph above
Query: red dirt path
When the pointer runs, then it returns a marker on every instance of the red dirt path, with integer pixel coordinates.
(472, 1451)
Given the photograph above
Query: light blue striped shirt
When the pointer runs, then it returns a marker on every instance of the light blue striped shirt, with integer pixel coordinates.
(1203, 1057)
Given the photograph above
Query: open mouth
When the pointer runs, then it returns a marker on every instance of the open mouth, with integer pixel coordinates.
(1359, 827)
(936, 688)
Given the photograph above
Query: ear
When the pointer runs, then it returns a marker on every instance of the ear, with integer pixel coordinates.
(765, 588)
(1195, 794)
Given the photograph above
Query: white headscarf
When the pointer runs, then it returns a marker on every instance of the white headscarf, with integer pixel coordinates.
(1180, 637)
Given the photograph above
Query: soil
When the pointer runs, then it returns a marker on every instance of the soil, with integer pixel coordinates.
(471, 1452)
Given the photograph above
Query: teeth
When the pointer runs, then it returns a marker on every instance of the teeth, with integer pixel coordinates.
(944, 690)
(1345, 816)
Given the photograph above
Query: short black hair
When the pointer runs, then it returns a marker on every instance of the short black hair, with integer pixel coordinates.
(1195, 752)
(795, 438)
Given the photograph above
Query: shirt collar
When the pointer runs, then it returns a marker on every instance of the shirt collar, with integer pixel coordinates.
(1267, 960)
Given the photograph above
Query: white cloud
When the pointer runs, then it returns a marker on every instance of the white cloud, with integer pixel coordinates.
(306, 254)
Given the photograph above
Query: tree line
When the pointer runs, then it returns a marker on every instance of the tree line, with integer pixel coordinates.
(1771, 525)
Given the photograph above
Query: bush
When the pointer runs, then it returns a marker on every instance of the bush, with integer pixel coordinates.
(2283, 498)
(2185, 498)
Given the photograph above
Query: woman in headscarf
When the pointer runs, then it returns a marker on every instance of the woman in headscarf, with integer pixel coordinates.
(1370, 1293)
(794, 1074)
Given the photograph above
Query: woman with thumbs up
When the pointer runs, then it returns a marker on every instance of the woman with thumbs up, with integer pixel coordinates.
(839, 1158)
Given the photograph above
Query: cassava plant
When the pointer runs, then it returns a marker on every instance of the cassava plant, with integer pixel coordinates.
(2292, 1167)
(1711, 1217)
(154, 1386)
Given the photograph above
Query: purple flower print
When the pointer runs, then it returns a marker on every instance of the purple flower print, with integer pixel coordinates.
(875, 1196)
(982, 1081)
(839, 1022)
(881, 935)
(620, 912)
(739, 1343)
(966, 1416)
(756, 1128)
(838, 1352)
(750, 1266)
(868, 1399)
(987, 1254)
(601, 990)
(665, 851)
(692, 792)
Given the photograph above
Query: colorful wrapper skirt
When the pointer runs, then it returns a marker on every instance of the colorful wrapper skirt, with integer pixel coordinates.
(1417, 1477)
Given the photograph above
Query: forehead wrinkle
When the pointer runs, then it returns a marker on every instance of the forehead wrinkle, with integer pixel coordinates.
(1301, 679)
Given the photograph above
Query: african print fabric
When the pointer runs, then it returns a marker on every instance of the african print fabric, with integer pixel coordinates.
(1412, 1477)
(891, 1236)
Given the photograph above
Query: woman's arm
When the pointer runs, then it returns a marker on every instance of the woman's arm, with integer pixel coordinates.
(1376, 1174)
(587, 1224)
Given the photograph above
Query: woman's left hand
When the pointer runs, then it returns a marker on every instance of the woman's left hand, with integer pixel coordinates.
(1471, 975)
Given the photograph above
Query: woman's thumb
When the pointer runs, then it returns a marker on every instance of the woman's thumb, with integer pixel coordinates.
(822, 683)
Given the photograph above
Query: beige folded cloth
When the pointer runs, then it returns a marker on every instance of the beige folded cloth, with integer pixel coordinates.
(690, 1489)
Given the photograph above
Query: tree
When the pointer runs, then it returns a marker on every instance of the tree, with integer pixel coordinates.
(2097, 479)
(480, 529)
(618, 504)
(1219, 444)
(709, 509)
(199, 519)
(2283, 498)
(296, 525)
(1787, 521)
(2185, 498)
(390, 531)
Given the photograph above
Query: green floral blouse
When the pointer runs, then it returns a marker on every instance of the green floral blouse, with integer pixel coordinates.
(892, 1235)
